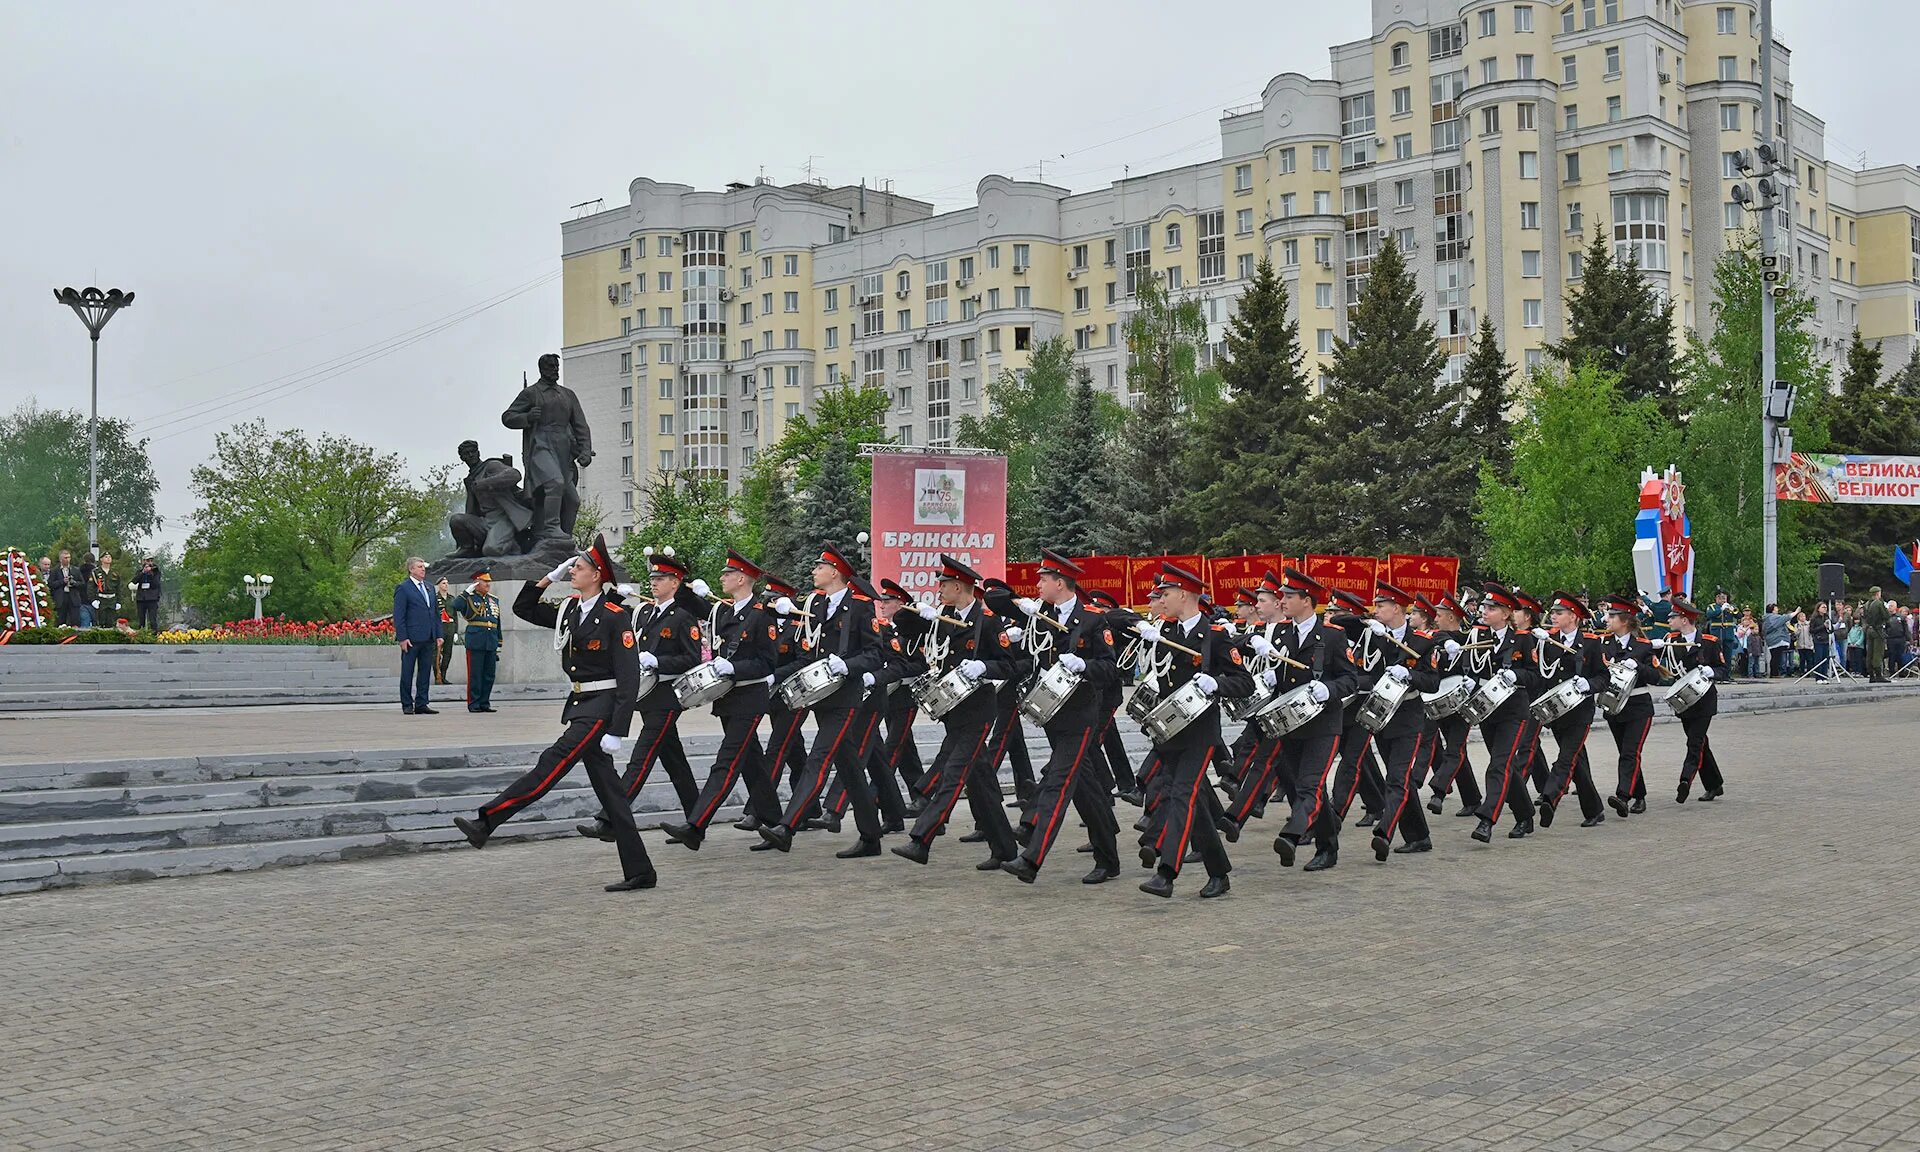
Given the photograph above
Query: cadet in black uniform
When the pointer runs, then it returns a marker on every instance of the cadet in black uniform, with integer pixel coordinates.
(1698, 649)
(1113, 748)
(594, 637)
(745, 639)
(1009, 739)
(1500, 651)
(1261, 767)
(1453, 769)
(1305, 651)
(1569, 654)
(1630, 725)
(785, 749)
(899, 752)
(1406, 739)
(1358, 773)
(866, 729)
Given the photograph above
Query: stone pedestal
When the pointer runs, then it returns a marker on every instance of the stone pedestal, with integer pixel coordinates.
(526, 652)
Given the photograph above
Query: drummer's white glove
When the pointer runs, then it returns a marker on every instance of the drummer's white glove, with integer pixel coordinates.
(784, 606)
(1028, 605)
(1232, 628)
(1318, 689)
(1016, 634)
(1207, 683)
(1073, 663)
(1453, 649)
(1657, 644)
(1539, 633)
(1399, 674)
(1581, 686)
(928, 612)
(1377, 628)
(1629, 664)
(563, 573)
(96, 603)
(1269, 678)
(648, 660)
(723, 665)
(1148, 632)
(866, 679)
(836, 666)
(700, 589)
(1506, 676)
(972, 669)
(1261, 646)
(610, 744)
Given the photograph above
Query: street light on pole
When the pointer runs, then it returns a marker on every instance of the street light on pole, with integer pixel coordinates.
(257, 587)
(94, 308)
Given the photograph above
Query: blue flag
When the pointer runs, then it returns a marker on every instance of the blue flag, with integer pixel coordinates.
(1902, 566)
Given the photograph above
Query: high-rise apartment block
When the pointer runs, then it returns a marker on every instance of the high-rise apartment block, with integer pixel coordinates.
(1486, 139)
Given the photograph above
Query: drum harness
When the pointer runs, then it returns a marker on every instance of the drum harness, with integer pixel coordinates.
(733, 645)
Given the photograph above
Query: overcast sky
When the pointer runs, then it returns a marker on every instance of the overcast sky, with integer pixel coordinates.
(307, 198)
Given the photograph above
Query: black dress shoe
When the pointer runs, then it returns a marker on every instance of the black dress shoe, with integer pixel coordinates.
(1712, 794)
(1322, 860)
(596, 829)
(915, 807)
(405, 711)
(1023, 833)
(974, 837)
(1148, 857)
(861, 848)
(1367, 820)
(1468, 810)
(1140, 825)
(762, 846)
(990, 864)
(1381, 845)
(826, 822)
(1436, 804)
(475, 832)
(687, 834)
(635, 883)
(1412, 846)
(1596, 818)
(1099, 876)
(1484, 832)
(1229, 831)
(1161, 886)
(1216, 886)
(1084, 848)
(779, 836)
(1521, 830)
(1546, 811)
(892, 828)
(1136, 798)
(488, 708)
(912, 850)
(1639, 805)
(748, 823)
(1022, 868)
(1618, 803)
(1284, 846)
(423, 710)
(1680, 796)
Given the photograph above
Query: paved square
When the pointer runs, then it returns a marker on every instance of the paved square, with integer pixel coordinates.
(1733, 975)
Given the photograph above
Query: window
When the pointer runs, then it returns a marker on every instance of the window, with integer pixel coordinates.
(903, 282)
(1586, 13)
(1356, 115)
(1729, 68)
(626, 396)
(1613, 109)
(1323, 251)
(873, 368)
(1569, 70)
(790, 265)
(993, 299)
(1403, 193)
(1243, 222)
(831, 303)
(1443, 92)
(903, 398)
(939, 395)
(1113, 292)
(1616, 158)
(666, 353)
(746, 243)
(1523, 17)
(1244, 266)
(1322, 203)
(665, 246)
(1109, 253)
(1573, 167)
(1530, 264)
(664, 388)
(766, 303)
(1322, 158)
(873, 314)
(1287, 204)
(1535, 358)
(1573, 118)
(1020, 257)
(1022, 296)
(969, 350)
(1173, 237)
(1566, 19)
(1398, 55)
(1490, 70)
(1640, 229)
(934, 275)
(904, 435)
(1323, 341)
(966, 267)
(1490, 121)
(1729, 165)
(966, 388)
(791, 338)
(1613, 63)
(1243, 178)
(1730, 117)
(1575, 265)
(903, 320)
(1530, 314)
(626, 497)
(666, 424)
(1403, 239)
(1080, 257)
(1080, 299)
(993, 339)
(746, 349)
(1488, 25)
(1523, 116)
(1523, 66)
(1173, 278)
(1529, 214)
(1323, 295)
(1139, 254)
(790, 302)
(1290, 253)
(1213, 246)
(792, 410)
(666, 281)
(1529, 165)
(746, 312)
(993, 257)
(1723, 21)
(1403, 146)
(1402, 101)
(626, 325)
(626, 361)
(1446, 41)
(836, 233)
(766, 267)
(1286, 161)
(626, 258)
(792, 377)
(1613, 11)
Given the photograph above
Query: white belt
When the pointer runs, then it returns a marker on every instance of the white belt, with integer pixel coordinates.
(744, 683)
(595, 685)
(1641, 692)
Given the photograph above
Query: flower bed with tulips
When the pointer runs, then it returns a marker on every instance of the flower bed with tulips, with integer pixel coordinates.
(272, 631)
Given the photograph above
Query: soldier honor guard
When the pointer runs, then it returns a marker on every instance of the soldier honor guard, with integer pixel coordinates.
(482, 611)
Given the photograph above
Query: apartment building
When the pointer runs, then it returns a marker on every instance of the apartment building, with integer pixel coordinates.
(1487, 138)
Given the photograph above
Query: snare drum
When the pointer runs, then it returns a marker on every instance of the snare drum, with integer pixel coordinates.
(1488, 698)
(1050, 692)
(1383, 702)
(1452, 695)
(1620, 681)
(947, 692)
(1690, 689)
(1556, 702)
(809, 686)
(701, 685)
(1290, 712)
(1247, 707)
(1141, 703)
(1171, 716)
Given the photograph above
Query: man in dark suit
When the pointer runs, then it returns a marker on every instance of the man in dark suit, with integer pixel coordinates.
(416, 624)
(66, 587)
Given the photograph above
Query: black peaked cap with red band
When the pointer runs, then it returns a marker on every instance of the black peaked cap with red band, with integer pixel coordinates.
(1392, 594)
(1298, 582)
(1498, 594)
(741, 564)
(1053, 563)
(953, 568)
(1174, 576)
(661, 564)
(835, 559)
(892, 591)
(602, 559)
(1347, 600)
(1572, 603)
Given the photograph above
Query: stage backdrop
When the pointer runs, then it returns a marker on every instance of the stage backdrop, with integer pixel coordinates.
(926, 505)
(1830, 479)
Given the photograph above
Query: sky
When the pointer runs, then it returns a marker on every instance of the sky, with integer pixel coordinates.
(345, 217)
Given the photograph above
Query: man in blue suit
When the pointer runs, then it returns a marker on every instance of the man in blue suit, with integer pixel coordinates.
(416, 624)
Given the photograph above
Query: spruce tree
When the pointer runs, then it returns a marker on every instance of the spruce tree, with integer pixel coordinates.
(1616, 320)
(1070, 481)
(1390, 475)
(833, 509)
(782, 552)
(1484, 386)
(1247, 462)
(1163, 352)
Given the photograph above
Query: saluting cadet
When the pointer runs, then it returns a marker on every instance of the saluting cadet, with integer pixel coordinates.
(1406, 739)
(1499, 651)
(1698, 649)
(1082, 643)
(1624, 646)
(668, 632)
(593, 635)
(838, 629)
(1189, 648)
(1568, 654)
(482, 610)
(746, 637)
(1454, 769)
(965, 634)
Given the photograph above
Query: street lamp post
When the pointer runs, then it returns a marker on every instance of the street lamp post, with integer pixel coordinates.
(257, 587)
(94, 308)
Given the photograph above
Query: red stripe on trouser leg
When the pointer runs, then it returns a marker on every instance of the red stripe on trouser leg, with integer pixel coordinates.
(946, 813)
(1359, 767)
(547, 782)
(1061, 801)
(1186, 825)
(646, 764)
(1573, 765)
(1406, 791)
(1506, 774)
(733, 773)
(906, 725)
(1320, 786)
(1634, 785)
(469, 677)
(826, 765)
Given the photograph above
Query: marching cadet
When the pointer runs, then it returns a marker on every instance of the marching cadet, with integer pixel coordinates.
(1009, 739)
(899, 752)
(746, 638)
(1624, 647)
(1232, 770)
(1259, 769)
(1698, 649)
(1498, 651)
(593, 634)
(1196, 651)
(1358, 773)
(866, 725)
(1406, 738)
(967, 635)
(1083, 644)
(482, 610)
(840, 631)
(1568, 654)
(669, 638)
(1454, 769)
(785, 748)
(1526, 619)
(1112, 747)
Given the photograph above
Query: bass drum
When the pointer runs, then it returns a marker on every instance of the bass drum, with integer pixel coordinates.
(809, 686)
(1171, 716)
(1556, 702)
(1450, 697)
(1690, 689)
(1291, 712)
(1050, 692)
(701, 685)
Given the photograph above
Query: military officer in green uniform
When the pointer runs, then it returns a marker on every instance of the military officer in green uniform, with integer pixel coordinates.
(482, 611)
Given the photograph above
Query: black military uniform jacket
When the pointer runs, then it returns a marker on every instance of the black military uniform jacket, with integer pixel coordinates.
(1705, 653)
(1324, 652)
(1219, 658)
(748, 638)
(983, 638)
(1409, 719)
(903, 636)
(1510, 652)
(852, 632)
(1557, 665)
(1647, 674)
(1087, 636)
(672, 634)
(600, 647)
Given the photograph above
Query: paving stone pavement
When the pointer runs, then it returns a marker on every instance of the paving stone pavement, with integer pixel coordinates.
(1741, 974)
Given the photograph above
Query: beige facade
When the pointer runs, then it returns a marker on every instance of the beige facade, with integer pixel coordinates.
(1488, 138)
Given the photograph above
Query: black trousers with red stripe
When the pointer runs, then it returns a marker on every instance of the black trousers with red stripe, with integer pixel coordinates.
(1069, 778)
(740, 758)
(1358, 772)
(1699, 759)
(965, 760)
(1259, 773)
(836, 749)
(786, 747)
(1454, 769)
(903, 755)
(1113, 749)
(1010, 742)
(659, 743)
(1308, 761)
(1630, 737)
(1406, 765)
(1184, 816)
(879, 776)
(1570, 763)
(580, 743)
(1509, 740)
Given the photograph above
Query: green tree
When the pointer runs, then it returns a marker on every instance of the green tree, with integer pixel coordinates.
(835, 506)
(1906, 382)
(690, 514)
(1174, 392)
(1389, 474)
(73, 538)
(1721, 462)
(1564, 516)
(43, 478)
(780, 548)
(853, 414)
(1870, 417)
(1615, 319)
(1248, 462)
(1484, 425)
(309, 512)
(1069, 484)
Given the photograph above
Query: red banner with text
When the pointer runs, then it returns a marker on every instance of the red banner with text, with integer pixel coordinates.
(1226, 574)
(926, 505)
(1353, 574)
(1146, 572)
(1024, 576)
(1423, 575)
